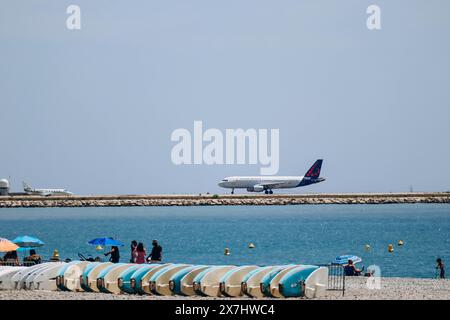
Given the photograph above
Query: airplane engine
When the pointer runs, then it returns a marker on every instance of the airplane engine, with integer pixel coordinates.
(255, 189)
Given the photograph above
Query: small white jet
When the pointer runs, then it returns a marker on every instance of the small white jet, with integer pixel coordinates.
(268, 183)
(45, 192)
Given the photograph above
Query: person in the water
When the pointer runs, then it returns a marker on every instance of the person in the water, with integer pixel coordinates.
(440, 266)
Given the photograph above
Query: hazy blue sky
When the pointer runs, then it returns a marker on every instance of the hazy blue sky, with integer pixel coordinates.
(92, 110)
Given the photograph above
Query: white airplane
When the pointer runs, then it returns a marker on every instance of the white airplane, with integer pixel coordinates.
(267, 183)
(45, 192)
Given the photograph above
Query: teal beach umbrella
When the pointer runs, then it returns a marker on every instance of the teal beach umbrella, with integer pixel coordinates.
(28, 242)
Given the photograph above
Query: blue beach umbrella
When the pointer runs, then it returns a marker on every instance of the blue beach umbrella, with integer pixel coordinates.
(106, 242)
(28, 242)
(344, 259)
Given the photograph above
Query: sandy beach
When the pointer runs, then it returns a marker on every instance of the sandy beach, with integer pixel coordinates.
(356, 289)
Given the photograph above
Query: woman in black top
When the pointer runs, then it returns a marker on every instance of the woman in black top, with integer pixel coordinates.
(115, 256)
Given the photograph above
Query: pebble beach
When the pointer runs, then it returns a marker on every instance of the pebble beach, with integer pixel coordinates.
(356, 289)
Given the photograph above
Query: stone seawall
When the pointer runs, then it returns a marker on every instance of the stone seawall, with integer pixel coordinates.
(219, 200)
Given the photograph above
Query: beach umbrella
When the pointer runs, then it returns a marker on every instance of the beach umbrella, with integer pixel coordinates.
(106, 242)
(27, 241)
(344, 259)
(6, 245)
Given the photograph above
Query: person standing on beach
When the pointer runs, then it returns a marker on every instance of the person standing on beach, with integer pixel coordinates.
(139, 254)
(133, 247)
(440, 266)
(156, 254)
(115, 256)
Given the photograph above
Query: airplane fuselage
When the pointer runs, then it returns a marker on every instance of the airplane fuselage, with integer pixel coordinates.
(49, 192)
(45, 192)
(262, 183)
(268, 183)
(250, 181)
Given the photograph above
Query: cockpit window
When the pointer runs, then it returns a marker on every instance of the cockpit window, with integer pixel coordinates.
(225, 180)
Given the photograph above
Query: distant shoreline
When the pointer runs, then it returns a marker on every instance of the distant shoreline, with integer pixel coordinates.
(29, 201)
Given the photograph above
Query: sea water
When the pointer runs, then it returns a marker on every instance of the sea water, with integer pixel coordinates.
(304, 234)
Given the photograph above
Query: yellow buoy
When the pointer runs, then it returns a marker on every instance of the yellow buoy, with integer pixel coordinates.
(227, 252)
(99, 247)
(55, 256)
(367, 247)
(390, 248)
(251, 245)
(400, 242)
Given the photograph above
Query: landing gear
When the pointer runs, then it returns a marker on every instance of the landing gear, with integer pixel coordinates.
(232, 191)
(268, 192)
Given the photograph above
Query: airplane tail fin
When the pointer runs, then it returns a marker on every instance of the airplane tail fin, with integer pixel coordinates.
(314, 171)
(26, 186)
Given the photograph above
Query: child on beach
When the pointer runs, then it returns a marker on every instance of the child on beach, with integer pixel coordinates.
(440, 267)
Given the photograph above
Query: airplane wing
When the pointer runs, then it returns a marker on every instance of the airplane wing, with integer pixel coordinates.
(268, 185)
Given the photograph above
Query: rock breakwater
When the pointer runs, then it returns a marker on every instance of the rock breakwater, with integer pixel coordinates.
(219, 200)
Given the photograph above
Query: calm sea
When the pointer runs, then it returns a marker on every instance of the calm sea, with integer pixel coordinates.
(281, 234)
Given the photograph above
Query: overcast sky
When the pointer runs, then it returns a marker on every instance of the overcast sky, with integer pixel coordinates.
(92, 110)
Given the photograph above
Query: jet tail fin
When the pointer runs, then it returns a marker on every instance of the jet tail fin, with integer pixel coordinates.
(26, 186)
(314, 171)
